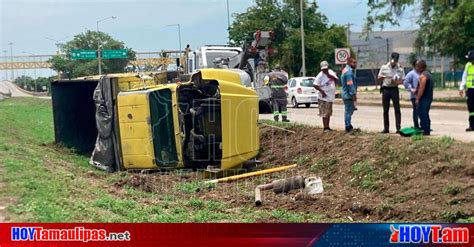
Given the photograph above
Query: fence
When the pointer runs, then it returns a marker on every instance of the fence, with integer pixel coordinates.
(368, 77)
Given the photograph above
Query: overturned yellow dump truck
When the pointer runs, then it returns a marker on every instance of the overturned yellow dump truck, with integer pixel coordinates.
(209, 122)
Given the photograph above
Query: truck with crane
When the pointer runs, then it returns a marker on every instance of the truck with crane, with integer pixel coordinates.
(250, 61)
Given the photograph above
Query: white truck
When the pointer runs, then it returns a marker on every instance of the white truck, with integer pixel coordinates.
(250, 61)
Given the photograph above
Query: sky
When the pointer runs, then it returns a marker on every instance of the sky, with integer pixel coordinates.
(141, 24)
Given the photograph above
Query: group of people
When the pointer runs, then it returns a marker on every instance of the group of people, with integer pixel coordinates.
(418, 82)
(325, 83)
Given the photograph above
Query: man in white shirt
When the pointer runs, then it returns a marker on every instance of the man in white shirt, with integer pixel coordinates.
(325, 83)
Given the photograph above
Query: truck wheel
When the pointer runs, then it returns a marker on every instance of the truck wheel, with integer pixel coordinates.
(294, 103)
(264, 107)
(308, 105)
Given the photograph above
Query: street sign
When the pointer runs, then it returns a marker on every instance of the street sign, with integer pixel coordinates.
(111, 54)
(83, 54)
(342, 55)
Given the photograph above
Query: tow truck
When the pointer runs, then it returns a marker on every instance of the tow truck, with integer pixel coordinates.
(251, 62)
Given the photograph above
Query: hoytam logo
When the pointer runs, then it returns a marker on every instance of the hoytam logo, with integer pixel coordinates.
(74, 234)
(429, 234)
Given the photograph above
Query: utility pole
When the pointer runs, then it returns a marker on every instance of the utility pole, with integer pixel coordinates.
(99, 49)
(388, 50)
(99, 55)
(179, 33)
(11, 59)
(228, 22)
(349, 33)
(303, 68)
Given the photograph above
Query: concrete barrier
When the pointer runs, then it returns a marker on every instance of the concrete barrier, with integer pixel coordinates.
(4, 95)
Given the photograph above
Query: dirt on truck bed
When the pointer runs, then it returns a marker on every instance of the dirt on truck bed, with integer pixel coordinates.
(366, 177)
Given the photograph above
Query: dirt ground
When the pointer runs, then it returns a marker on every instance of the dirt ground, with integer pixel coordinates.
(366, 177)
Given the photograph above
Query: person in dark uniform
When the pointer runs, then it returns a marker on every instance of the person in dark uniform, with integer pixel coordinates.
(467, 84)
(424, 96)
(277, 81)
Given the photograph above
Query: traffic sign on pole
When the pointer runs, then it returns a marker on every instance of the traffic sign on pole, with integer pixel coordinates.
(342, 55)
(111, 54)
(83, 54)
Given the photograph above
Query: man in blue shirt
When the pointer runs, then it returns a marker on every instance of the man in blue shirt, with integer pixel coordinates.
(349, 92)
(411, 84)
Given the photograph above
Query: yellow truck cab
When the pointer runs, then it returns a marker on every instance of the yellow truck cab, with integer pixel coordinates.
(209, 122)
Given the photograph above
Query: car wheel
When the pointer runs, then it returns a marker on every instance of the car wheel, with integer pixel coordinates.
(307, 105)
(294, 103)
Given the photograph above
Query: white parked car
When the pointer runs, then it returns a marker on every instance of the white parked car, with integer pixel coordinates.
(300, 91)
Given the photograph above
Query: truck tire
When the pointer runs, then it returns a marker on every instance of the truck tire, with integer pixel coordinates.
(264, 107)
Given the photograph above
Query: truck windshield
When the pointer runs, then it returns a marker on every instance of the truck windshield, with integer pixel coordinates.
(212, 55)
(307, 82)
(162, 127)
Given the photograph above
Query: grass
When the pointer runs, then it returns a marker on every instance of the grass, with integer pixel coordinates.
(326, 165)
(286, 216)
(302, 160)
(191, 187)
(366, 177)
(284, 125)
(452, 190)
(446, 141)
(455, 216)
(52, 184)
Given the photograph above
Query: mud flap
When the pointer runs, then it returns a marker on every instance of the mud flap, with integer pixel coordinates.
(104, 154)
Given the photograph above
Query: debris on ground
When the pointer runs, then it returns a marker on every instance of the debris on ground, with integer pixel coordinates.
(367, 177)
(311, 186)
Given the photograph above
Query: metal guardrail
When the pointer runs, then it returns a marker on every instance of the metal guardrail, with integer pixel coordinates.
(5, 95)
(149, 58)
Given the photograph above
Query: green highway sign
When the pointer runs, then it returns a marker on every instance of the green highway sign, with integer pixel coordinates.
(83, 54)
(110, 54)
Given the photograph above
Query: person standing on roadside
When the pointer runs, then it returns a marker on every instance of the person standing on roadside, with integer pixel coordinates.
(277, 80)
(390, 76)
(325, 83)
(468, 83)
(424, 96)
(411, 83)
(349, 92)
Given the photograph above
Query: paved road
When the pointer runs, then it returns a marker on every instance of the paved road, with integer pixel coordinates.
(444, 122)
(7, 86)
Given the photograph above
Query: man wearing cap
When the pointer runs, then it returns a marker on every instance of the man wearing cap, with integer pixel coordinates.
(325, 83)
(467, 84)
(390, 76)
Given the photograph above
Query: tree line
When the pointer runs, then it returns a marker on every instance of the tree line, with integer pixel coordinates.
(42, 84)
